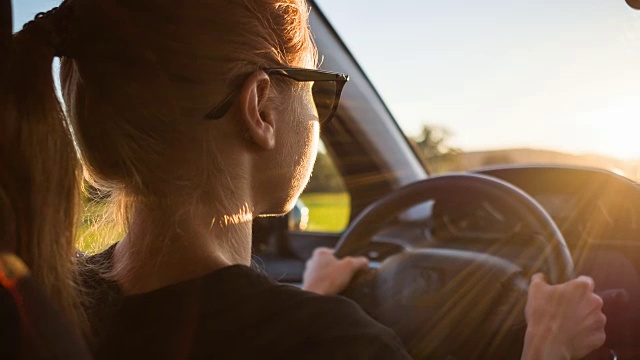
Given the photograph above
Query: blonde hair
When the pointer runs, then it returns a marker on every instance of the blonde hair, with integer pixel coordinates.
(144, 74)
(39, 184)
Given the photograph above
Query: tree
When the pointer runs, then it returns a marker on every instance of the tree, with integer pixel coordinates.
(432, 145)
(497, 158)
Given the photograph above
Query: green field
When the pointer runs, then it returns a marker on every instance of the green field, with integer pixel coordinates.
(92, 235)
(328, 212)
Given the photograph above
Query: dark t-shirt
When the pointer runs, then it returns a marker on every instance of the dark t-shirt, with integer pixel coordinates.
(232, 313)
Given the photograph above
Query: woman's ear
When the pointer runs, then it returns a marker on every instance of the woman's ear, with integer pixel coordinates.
(258, 115)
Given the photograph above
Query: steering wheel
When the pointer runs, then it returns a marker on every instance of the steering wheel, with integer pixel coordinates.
(448, 302)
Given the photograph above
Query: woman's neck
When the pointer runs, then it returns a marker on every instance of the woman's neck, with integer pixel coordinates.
(161, 249)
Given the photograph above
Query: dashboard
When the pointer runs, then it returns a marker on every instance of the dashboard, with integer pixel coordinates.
(597, 212)
(588, 205)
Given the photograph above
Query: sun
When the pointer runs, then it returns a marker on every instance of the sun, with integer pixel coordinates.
(616, 130)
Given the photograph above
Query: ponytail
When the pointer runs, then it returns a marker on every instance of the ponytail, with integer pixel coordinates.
(39, 170)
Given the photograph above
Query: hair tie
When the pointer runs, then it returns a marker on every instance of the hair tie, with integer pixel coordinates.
(56, 24)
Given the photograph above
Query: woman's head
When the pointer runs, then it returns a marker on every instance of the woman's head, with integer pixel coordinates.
(144, 73)
(138, 78)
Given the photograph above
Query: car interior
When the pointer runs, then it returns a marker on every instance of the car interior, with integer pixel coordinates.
(434, 241)
(450, 255)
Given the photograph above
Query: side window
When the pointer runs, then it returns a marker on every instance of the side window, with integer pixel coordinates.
(325, 204)
(96, 232)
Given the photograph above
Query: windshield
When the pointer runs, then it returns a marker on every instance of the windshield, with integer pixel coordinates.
(482, 83)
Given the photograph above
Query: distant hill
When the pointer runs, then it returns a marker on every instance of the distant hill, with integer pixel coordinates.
(477, 159)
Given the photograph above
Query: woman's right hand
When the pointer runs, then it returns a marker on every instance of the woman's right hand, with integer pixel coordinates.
(327, 275)
(563, 321)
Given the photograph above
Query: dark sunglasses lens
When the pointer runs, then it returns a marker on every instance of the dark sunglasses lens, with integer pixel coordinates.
(324, 96)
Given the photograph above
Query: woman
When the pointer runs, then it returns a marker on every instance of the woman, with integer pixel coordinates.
(197, 117)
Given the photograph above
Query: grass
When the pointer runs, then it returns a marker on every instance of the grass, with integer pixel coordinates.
(328, 212)
(92, 235)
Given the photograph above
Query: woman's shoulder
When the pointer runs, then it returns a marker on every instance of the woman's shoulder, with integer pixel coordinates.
(91, 274)
(244, 305)
(320, 326)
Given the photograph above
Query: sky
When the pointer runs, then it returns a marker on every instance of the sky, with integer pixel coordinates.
(560, 75)
(548, 74)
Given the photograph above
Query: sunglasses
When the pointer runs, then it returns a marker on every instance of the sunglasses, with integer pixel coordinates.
(327, 88)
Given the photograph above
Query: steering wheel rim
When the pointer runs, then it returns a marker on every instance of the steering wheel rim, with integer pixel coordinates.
(558, 261)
